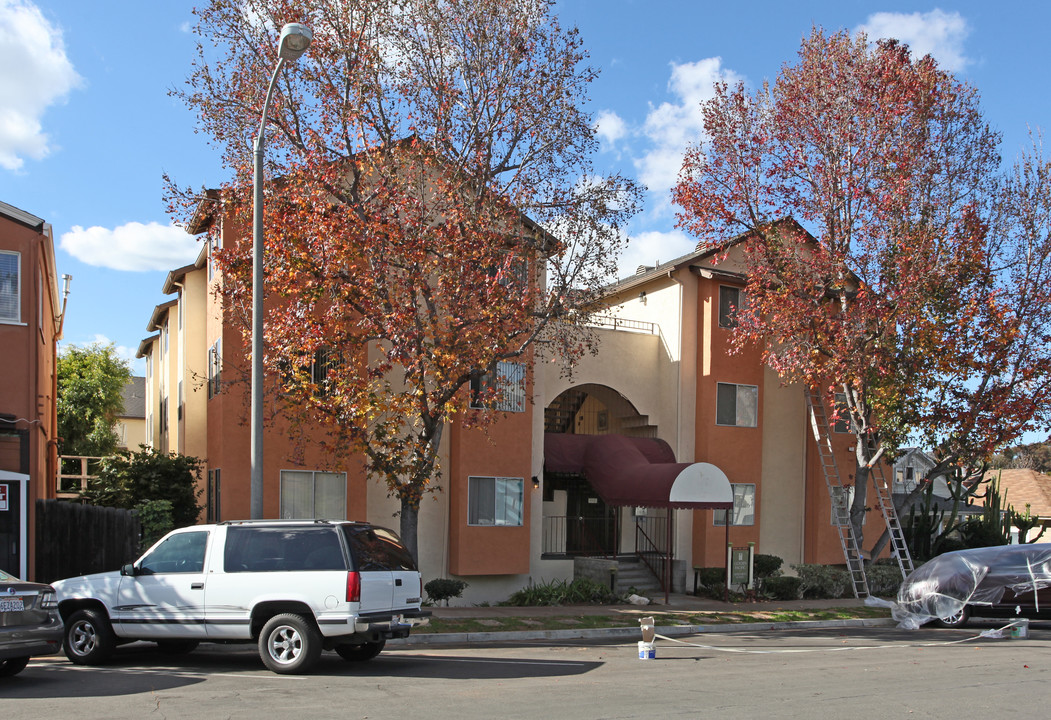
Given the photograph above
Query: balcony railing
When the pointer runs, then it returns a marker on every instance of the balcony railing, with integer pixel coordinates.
(74, 474)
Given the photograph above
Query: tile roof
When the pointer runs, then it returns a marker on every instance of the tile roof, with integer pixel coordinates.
(1025, 486)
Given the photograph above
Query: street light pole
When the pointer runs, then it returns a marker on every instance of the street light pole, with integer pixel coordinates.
(295, 39)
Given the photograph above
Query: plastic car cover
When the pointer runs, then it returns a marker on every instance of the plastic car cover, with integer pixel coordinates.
(981, 576)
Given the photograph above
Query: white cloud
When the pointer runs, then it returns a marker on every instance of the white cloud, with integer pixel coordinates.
(936, 33)
(610, 127)
(36, 74)
(653, 248)
(671, 126)
(132, 246)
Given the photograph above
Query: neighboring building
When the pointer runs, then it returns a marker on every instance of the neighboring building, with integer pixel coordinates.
(664, 385)
(1021, 488)
(131, 423)
(30, 325)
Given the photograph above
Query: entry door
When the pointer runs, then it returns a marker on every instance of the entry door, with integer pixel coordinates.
(165, 598)
(11, 527)
(591, 525)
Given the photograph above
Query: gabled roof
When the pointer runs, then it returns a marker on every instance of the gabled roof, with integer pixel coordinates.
(157, 318)
(146, 346)
(21, 216)
(1019, 488)
(648, 273)
(134, 396)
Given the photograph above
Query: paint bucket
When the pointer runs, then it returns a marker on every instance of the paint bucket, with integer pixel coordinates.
(1020, 630)
(647, 651)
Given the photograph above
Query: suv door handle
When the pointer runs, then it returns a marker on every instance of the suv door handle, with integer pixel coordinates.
(197, 586)
(397, 581)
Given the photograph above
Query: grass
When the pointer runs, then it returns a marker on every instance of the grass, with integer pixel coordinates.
(613, 619)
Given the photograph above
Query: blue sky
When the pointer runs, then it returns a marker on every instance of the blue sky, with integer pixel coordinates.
(87, 127)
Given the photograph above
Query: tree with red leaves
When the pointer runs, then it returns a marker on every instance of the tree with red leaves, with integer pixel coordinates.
(434, 211)
(914, 283)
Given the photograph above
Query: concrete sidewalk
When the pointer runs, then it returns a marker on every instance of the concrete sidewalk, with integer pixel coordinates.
(687, 605)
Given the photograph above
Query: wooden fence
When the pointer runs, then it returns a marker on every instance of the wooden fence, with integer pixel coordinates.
(75, 539)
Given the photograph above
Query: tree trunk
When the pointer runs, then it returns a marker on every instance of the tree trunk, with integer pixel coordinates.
(857, 506)
(409, 529)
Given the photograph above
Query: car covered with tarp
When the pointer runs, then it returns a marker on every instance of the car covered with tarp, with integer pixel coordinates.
(1008, 581)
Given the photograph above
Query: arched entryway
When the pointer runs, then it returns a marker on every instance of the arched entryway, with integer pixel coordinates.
(610, 483)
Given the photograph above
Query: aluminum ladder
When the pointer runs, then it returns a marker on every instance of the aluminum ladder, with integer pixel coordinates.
(829, 468)
(890, 516)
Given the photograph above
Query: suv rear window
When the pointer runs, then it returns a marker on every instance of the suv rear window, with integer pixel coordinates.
(377, 548)
(282, 549)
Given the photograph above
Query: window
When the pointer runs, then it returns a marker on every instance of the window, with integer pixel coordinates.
(215, 368)
(164, 415)
(214, 501)
(744, 506)
(307, 494)
(842, 421)
(324, 370)
(506, 386)
(737, 405)
(730, 300)
(842, 498)
(10, 286)
(494, 501)
(376, 549)
(182, 553)
(282, 549)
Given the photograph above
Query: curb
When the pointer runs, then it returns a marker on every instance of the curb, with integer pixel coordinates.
(625, 633)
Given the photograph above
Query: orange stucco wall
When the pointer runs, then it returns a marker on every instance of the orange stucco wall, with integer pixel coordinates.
(735, 450)
(503, 450)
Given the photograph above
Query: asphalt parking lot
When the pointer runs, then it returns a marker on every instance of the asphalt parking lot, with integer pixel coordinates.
(860, 672)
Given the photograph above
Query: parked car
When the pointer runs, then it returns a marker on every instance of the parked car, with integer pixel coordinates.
(294, 587)
(29, 623)
(1000, 581)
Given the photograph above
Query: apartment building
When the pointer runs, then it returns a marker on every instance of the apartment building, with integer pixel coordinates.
(30, 325)
(521, 501)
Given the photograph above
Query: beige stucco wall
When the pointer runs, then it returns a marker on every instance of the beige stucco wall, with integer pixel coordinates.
(784, 470)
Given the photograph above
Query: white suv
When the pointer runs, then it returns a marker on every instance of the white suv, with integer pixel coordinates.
(293, 586)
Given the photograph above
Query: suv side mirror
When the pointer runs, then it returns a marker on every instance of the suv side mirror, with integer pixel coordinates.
(128, 569)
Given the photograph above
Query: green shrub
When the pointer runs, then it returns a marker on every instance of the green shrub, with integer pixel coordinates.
(783, 588)
(155, 517)
(711, 582)
(561, 592)
(883, 578)
(444, 588)
(766, 566)
(823, 581)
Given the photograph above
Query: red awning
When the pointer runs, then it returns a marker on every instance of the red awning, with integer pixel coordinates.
(641, 472)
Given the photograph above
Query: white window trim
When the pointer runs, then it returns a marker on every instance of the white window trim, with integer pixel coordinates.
(497, 521)
(741, 303)
(510, 379)
(736, 385)
(735, 486)
(17, 319)
(313, 490)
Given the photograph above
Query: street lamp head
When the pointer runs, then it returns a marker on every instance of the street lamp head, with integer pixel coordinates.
(295, 39)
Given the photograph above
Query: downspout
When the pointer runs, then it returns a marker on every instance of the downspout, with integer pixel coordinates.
(678, 427)
(52, 454)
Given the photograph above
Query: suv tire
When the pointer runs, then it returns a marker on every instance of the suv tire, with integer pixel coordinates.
(289, 644)
(362, 652)
(89, 638)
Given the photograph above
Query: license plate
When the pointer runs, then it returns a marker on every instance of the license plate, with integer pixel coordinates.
(11, 605)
